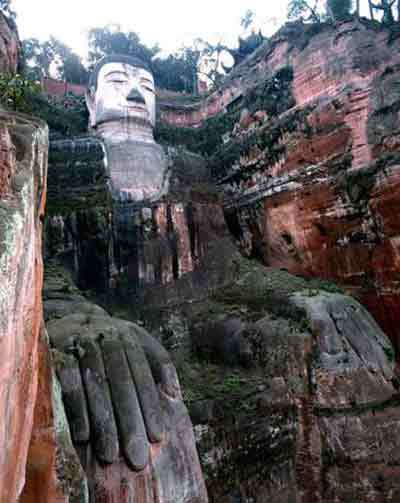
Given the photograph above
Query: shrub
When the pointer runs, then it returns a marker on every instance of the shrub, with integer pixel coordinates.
(16, 92)
(339, 9)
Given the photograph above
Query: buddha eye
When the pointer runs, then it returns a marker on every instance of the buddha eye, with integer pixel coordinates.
(116, 78)
(148, 89)
(146, 84)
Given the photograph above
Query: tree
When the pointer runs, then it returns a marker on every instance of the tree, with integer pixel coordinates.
(175, 73)
(298, 8)
(205, 58)
(209, 63)
(68, 64)
(5, 8)
(192, 55)
(247, 46)
(52, 58)
(37, 58)
(247, 42)
(386, 7)
(111, 40)
(247, 19)
(339, 9)
(15, 92)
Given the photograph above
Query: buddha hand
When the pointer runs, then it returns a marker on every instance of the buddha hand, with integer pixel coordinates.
(115, 378)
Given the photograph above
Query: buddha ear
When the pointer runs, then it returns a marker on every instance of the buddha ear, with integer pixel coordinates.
(90, 103)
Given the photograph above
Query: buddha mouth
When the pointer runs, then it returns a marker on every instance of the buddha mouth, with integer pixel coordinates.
(136, 107)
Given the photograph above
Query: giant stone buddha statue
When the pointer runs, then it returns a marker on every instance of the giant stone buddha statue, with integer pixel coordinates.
(120, 390)
(164, 211)
(121, 103)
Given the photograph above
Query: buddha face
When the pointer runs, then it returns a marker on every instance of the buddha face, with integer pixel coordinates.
(123, 92)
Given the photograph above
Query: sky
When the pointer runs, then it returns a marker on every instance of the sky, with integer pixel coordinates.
(170, 23)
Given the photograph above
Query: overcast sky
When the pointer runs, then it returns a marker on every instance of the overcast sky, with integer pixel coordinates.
(171, 23)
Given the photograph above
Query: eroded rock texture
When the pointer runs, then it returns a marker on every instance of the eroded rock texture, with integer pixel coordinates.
(9, 45)
(123, 244)
(23, 163)
(310, 159)
(292, 389)
(291, 383)
(322, 184)
(37, 459)
(53, 471)
(79, 223)
(122, 398)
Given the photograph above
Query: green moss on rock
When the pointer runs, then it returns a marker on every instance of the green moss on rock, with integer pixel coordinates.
(259, 289)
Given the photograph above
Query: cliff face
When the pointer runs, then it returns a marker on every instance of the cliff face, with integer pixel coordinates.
(290, 383)
(292, 389)
(171, 470)
(32, 437)
(310, 164)
(23, 163)
(120, 249)
(127, 246)
(9, 45)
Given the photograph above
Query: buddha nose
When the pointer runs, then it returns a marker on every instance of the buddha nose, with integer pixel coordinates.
(135, 95)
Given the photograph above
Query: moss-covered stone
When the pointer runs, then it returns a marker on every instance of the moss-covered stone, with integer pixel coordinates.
(259, 289)
(69, 471)
(272, 95)
(77, 178)
(358, 184)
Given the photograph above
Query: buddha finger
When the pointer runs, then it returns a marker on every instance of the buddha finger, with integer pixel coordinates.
(102, 421)
(146, 388)
(161, 365)
(126, 403)
(73, 394)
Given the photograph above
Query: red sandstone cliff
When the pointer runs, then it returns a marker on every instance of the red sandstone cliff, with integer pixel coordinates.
(9, 44)
(36, 454)
(23, 162)
(316, 196)
(29, 444)
(315, 187)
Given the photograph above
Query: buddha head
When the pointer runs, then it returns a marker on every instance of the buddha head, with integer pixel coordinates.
(121, 89)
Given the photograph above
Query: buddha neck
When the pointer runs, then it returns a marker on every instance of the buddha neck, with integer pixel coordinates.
(120, 131)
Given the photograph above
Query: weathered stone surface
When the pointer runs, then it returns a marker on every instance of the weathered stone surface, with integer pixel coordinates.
(53, 470)
(22, 191)
(138, 170)
(290, 382)
(311, 184)
(9, 46)
(123, 116)
(223, 340)
(79, 222)
(354, 370)
(46, 472)
(125, 244)
(320, 397)
(78, 177)
(140, 441)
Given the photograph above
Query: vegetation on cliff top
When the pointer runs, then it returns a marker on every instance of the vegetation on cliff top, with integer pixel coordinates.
(16, 92)
(5, 8)
(316, 11)
(177, 72)
(272, 95)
